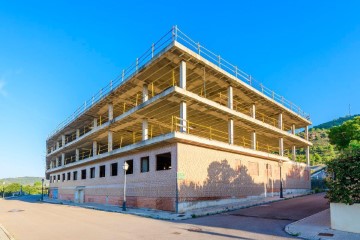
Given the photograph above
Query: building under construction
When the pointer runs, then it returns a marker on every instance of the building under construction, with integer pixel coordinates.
(194, 129)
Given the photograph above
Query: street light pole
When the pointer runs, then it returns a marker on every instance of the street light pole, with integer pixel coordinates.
(42, 189)
(281, 184)
(125, 167)
(3, 193)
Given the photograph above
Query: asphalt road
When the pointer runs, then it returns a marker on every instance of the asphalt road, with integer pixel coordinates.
(26, 218)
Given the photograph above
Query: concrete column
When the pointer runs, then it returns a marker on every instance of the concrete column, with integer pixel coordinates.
(231, 131)
(51, 149)
(145, 130)
(94, 148)
(62, 159)
(56, 162)
(253, 140)
(293, 151)
(253, 111)
(280, 121)
(77, 154)
(95, 123)
(110, 141)
(57, 145)
(111, 111)
(182, 75)
(62, 140)
(307, 150)
(230, 97)
(307, 133)
(293, 129)
(281, 146)
(77, 133)
(51, 164)
(145, 93)
(183, 117)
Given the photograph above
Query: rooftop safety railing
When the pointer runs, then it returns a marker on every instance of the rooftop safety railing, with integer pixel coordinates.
(171, 36)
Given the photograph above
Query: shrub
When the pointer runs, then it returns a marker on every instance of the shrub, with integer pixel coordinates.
(344, 179)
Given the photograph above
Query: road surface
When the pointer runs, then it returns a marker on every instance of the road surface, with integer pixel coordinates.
(26, 219)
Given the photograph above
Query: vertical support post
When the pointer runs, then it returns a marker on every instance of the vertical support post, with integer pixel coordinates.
(182, 82)
(253, 140)
(56, 162)
(183, 117)
(307, 133)
(253, 111)
(231, 131)
(145, 93)
(293, 129)
(110, 141)
(94, 148)
(145, 130)
(95, 123)
(62, 140)
(280, 121)
(307, 155)
(293, 153)
(62, 159)
(77, 154)
(77, 133)
(57, 145)
(281, 146)
(111, 111)
(230, 97)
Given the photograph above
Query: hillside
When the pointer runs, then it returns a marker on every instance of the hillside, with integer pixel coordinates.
(335, 122)
(322, 150)
(21, 180)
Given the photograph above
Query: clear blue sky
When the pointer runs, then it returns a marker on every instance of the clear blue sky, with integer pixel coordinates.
(54, 55)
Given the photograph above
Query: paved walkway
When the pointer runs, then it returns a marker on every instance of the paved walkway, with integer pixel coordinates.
(317, 227)
(158, 214)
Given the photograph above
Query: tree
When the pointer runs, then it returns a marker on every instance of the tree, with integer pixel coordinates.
(348, 132)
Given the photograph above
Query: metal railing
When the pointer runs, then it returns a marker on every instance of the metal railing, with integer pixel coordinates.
(175, 35)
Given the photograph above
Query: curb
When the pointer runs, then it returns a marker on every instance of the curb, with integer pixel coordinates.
(10, 237)
(298, 234)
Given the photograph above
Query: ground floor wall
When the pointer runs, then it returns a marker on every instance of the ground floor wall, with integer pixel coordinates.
(209, 177)
(198, 177)
(148, 189)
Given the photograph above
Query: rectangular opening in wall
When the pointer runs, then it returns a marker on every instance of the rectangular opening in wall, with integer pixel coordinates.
(163, 161)
(92, 172)
(131, 167)
(83, 174)
(75, 175)
(54, 179)
(102, 171)
(144, 161)
(58, 178)
(63, 177)
(68, 176)
(114, 169)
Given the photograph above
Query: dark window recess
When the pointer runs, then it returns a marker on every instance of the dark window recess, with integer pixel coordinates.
(131, 167)
(163, 161)
(68, 176)
(92, 172)
(114, 169)
(75, 175)
(54, 179)
(59, 177)
(144, 161)
(63, 177)
(83, 174)
(102, 171)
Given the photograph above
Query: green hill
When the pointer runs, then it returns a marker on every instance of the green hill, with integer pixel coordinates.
(335, 122)
(21, 180)
(322, 150)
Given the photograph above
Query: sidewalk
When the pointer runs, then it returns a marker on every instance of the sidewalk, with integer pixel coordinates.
(4, 235)
(158, 214)
(317, 227)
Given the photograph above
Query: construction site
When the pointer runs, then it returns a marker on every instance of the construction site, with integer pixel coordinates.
(194, 129)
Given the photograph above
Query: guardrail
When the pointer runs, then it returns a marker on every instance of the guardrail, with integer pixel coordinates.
(175, 34)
